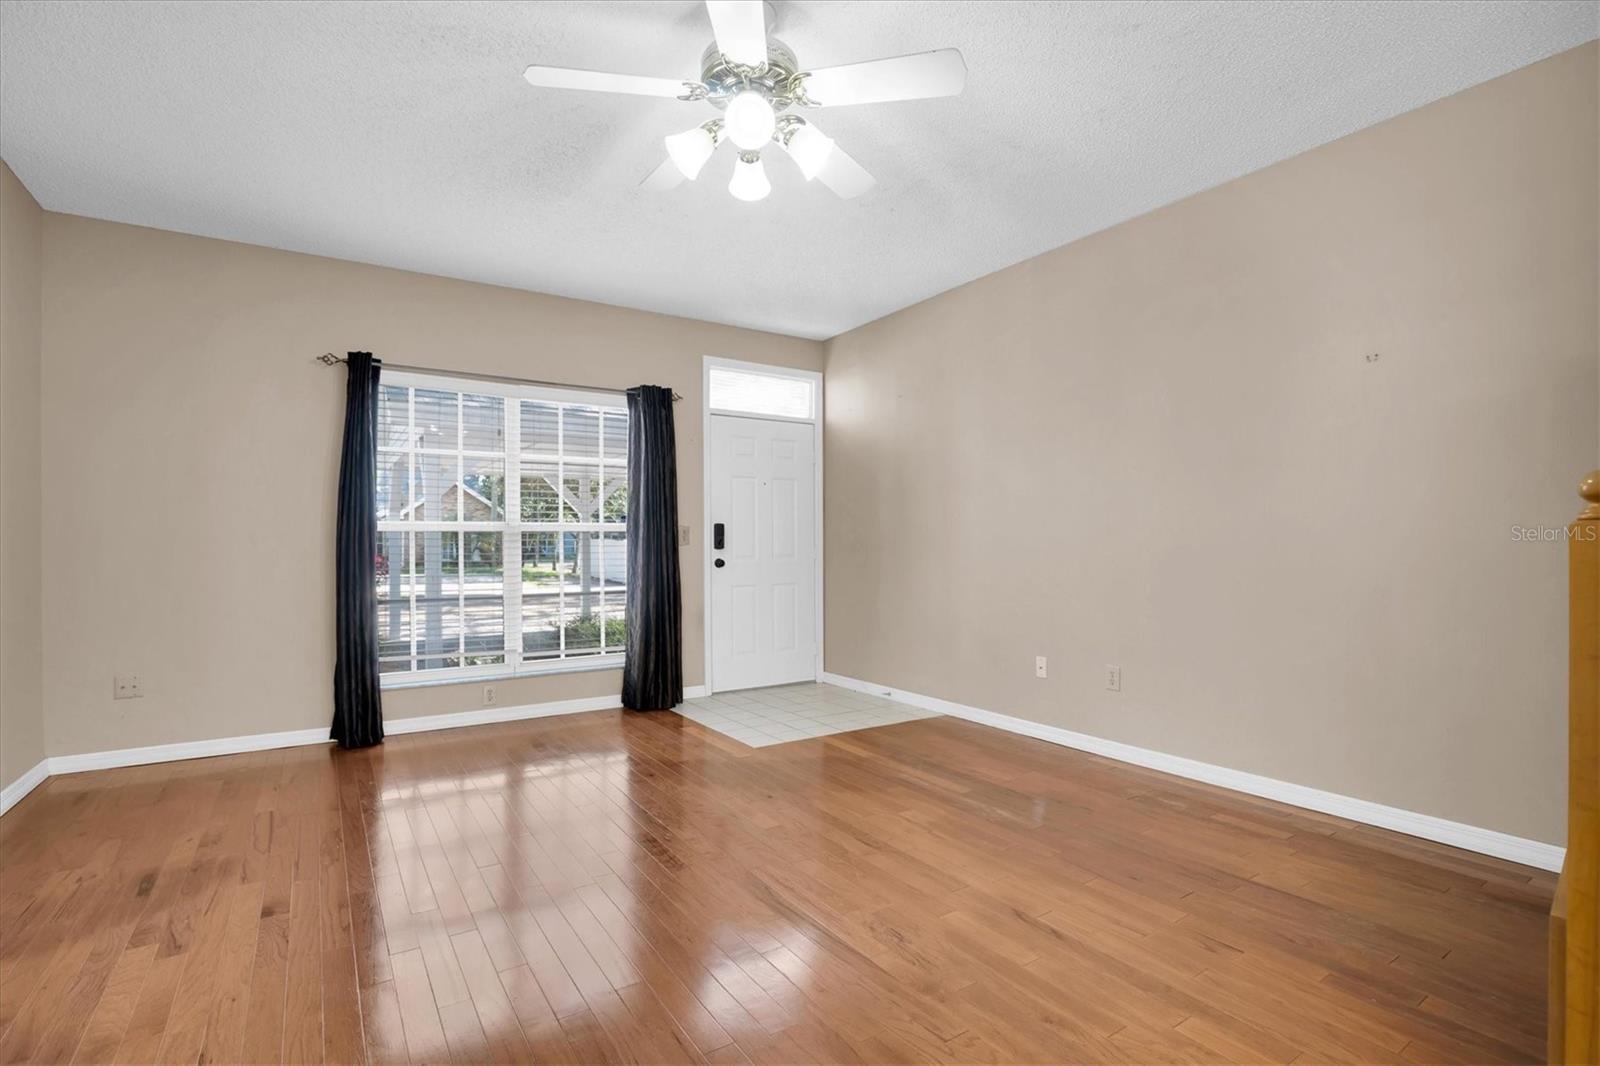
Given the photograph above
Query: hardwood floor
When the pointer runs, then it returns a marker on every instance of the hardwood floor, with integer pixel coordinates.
(611, 887)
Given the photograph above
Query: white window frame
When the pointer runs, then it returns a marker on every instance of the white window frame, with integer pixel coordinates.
(814, 377)
(511, 528)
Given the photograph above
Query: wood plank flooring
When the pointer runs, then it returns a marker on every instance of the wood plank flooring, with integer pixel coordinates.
(612, 887)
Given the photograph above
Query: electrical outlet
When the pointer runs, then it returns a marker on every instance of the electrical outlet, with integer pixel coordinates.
(490, 696)
(1113, 678)
(683, 536)
(126, 687)
(1039, 666)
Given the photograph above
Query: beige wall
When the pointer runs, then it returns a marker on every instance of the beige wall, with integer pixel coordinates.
(191, 453)
(21, 658)
(1163, 447)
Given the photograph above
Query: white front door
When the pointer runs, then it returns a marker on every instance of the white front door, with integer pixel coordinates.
(763, 573)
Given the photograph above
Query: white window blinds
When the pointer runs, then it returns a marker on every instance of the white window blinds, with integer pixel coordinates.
(502, 516)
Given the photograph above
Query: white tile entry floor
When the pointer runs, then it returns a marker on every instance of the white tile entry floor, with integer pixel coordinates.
(763, 716)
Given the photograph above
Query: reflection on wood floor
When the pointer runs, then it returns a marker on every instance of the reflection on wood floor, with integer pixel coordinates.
(615, 887)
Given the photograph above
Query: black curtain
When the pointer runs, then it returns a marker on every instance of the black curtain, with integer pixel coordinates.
(652, 675)
(357, 700)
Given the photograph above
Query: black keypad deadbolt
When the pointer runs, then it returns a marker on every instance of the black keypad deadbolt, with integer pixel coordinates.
(716, 536)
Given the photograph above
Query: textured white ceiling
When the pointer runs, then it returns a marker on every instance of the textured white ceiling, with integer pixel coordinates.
(402, 133)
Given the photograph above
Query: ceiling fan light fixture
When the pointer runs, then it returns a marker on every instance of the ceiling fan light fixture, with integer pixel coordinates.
(757, 83)
(690, 150)
(810, 148)
(750, 120)
(749, 178)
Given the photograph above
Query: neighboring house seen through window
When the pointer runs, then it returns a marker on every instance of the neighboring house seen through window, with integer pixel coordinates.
(502, 543)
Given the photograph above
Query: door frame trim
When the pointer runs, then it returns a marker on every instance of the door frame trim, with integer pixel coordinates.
(813, 376)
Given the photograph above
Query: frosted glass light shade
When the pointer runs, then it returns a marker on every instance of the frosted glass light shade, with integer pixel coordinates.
(749, 180)
(749, 120)
(690, 150)
(810, 148)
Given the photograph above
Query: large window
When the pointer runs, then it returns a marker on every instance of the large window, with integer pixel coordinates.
(502, 544)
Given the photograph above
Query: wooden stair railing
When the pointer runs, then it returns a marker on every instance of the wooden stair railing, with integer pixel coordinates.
(1575, 914)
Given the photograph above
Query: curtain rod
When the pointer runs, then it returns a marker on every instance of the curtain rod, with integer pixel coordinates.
(329, 359)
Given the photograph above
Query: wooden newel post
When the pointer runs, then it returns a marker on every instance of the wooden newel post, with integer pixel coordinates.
(1575, 917)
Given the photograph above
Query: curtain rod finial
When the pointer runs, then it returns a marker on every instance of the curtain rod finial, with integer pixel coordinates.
(328, 359)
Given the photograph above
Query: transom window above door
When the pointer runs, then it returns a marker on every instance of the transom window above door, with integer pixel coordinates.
(778, 394)
(502, 528)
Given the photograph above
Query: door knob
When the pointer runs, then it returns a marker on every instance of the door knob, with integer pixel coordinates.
(720, 563)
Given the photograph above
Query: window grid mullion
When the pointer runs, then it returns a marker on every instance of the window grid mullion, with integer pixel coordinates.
(561, 537)
(511, 539)
(443, 527)
(411, 495)
(461, 537)
(597, 527)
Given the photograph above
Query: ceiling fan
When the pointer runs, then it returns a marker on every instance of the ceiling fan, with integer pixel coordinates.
(755, 81)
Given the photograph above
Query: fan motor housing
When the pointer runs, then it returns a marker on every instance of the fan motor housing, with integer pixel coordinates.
(723, 80)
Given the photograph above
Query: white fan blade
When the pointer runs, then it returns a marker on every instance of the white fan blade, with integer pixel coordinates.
(847, 178)
(597, 81)
(740, 27)
(878, 81)
(666, 176)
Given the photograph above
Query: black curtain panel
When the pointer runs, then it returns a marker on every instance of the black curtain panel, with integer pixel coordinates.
(652, 675)
(357, 700)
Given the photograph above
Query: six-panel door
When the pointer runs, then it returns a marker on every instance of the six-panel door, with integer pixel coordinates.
(763, 596)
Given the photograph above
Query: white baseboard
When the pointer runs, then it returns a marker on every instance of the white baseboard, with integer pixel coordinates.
(12, 794)
(1441, 830)
(202, 749)
(190, 749)
(490, 715)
